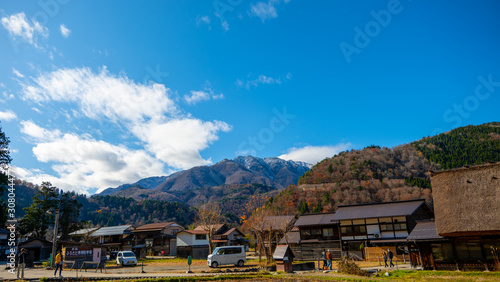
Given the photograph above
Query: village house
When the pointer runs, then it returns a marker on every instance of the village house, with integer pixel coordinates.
(312, 234)
(38, 250)
(157, 239)
(275, 228)
(192, 243)
(368, 229)
(82, 235)
(230, 237)
(467, 225)
(114, 238)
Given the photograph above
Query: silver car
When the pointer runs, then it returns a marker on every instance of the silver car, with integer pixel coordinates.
(126, 258)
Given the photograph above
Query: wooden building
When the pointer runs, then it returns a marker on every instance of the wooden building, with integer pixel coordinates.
(114, 238)
(156, 238)
(467, 208)
(311, 235)
(383, 225)
(38, 250)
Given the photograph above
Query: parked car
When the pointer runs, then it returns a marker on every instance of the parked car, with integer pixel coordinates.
(227, 255)
(126, 258)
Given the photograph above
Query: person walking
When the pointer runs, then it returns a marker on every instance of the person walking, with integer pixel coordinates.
(21, 262)
(384, 255)
(323, 255)
(59, 264)
(329, 258)
(390, 255)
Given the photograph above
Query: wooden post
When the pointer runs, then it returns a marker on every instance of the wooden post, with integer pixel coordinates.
(378, 257)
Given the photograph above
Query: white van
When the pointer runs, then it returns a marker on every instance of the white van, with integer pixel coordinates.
(227, 255)
(126, 258)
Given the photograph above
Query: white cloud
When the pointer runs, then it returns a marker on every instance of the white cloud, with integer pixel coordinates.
(102, 94)
(17, 73)
(18, 26)
(7, 115)
(38, 133)
(82, 163)
(262, 79)
(65, 31)
(145, 110)
(178, 142)
(314, 154)
(223, 22)
(202, 20)
(265, 10)
(202, 95)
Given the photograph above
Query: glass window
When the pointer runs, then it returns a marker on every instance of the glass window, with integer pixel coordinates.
(399, 226)
(328, 232)
(316, 232)
(361, 229)
(468, 251)
(201, 236)
(346, 230)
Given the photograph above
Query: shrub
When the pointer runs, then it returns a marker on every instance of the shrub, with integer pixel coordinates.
(350, 267)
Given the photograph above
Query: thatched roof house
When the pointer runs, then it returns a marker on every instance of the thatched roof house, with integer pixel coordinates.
(467, 200)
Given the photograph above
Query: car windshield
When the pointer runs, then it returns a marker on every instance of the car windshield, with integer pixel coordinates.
(128, 255)
(215, 251)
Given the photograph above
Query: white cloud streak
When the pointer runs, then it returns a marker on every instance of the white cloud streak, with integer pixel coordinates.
(19, 26)
(265, 10)
(314, 154)
(7, 115)
(262, 79)
(65, 32)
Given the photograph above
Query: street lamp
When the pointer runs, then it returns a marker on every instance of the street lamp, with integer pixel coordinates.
(54, 239)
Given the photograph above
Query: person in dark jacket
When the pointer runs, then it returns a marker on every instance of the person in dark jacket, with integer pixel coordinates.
(390, 255)
(384, 255)
(21, 262)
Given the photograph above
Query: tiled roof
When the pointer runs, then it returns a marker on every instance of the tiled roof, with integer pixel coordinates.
(83, 231)
(424, 230)
(111, 230)
(153, 226)
(315, 219)
(194, 231)
(377, 210)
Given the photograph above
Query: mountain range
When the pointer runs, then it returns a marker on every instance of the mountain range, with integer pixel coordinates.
(229, 177)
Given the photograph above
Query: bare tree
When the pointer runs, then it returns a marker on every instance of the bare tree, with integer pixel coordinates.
(209, 218)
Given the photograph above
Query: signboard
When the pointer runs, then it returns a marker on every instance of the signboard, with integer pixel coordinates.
(78, 252)
(97, 255)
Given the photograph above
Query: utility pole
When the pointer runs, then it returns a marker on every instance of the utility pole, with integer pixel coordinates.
(54, 240)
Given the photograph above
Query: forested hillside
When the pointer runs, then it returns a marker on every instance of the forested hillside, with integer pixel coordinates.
(377, 174)
(467, 145)
(373, 174)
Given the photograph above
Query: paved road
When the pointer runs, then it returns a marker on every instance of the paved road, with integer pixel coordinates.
(151, 271)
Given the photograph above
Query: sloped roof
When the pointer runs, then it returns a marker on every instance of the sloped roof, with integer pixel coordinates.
(315, 219)
(278, 221)
(424, 230)
(112, 230)
(377, 210)
(154, 226)
(194, 231)
(217, 227)
(293, 238)
(231, 231)
(281, 251)
(83, 231)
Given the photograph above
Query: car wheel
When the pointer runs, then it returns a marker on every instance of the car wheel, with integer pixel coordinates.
(241, 263)
(215, 264)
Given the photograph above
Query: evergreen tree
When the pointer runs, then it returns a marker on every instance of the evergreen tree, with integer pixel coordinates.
(36, 219)
(4, 180)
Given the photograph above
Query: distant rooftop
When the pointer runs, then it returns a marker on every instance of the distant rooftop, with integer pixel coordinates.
(112, 230)
(401, 208)
(154, 226)
(424, 230)
(315, 219)
(83, 231)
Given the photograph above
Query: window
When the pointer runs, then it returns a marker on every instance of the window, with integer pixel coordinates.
(328, 232)
(400, 226)
(442, 251)
(345, 222)
(386, 227)
(353, 230)
(201, 236)
(468, 251)
(313, 233)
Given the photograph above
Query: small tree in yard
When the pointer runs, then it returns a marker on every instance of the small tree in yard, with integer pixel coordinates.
(209, 217)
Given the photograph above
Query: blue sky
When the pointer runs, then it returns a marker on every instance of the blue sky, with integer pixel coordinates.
(94, 94)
